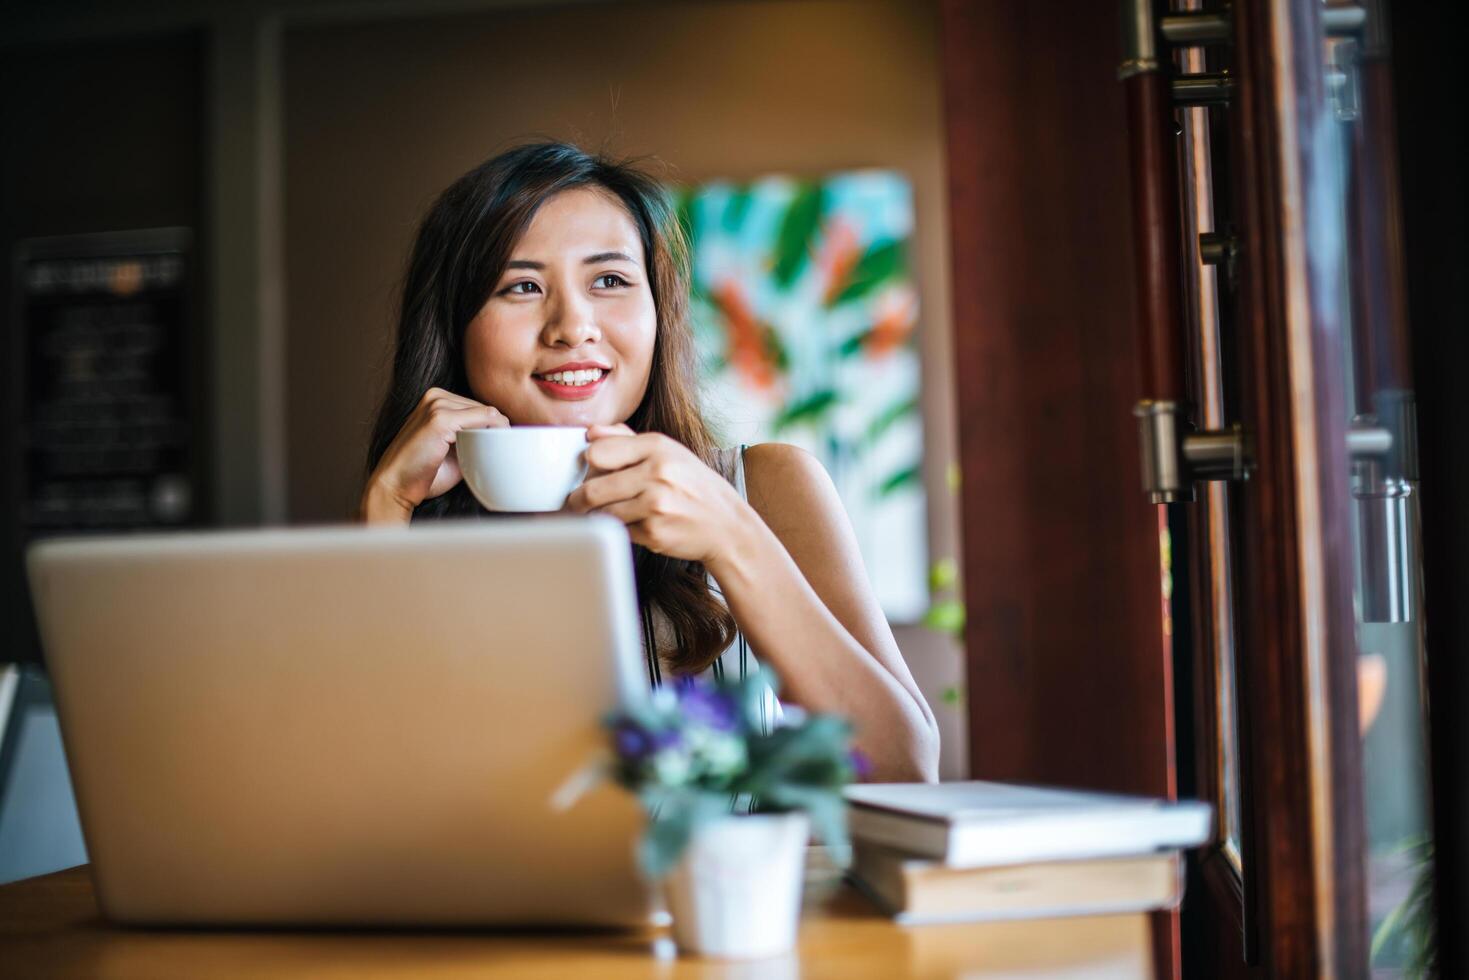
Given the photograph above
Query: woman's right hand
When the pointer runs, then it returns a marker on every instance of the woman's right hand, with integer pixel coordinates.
(420, 462)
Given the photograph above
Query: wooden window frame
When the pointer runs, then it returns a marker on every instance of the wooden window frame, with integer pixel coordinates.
(1070, 679)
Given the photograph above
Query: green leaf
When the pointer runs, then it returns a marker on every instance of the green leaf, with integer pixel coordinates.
(952, 696)
(797, 229)
(675, 817)
(912, 476)
(829, 818)
(811, 754)
(877, 265)
(1410, 928)
(889, 416)
(852, 346)
(942, 574)
(777, 349)
(946, 616)
(808, 410)
(825, 807)
(735, 209)
(667, 835)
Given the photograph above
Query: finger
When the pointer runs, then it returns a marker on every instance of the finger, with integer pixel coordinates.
(436, 415)
(603, 431)
(453, 421)
(615, 452)
(446, 477)
(595, 432)
(627, 511)
(599, 491)
(638, 532)
(443, 398)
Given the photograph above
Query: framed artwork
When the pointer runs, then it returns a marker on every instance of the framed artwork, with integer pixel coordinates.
(804, 312)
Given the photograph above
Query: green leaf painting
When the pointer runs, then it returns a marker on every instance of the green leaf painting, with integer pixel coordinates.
(736, 209)
(792, 244)
(805, 316)
(879, 265)
(808, 411)
(888, 417)
(911, 476)
(852, 346)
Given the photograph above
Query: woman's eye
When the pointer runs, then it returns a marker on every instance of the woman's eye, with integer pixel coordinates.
(515, 287)
(616, 280)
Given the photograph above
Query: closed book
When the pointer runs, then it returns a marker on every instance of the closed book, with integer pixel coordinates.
(980, 824)
(916, 891)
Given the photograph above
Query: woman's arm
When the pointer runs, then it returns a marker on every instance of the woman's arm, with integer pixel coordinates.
(794, 579)
(789, 568)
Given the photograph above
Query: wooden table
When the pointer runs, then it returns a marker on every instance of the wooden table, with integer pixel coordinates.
(50, 927)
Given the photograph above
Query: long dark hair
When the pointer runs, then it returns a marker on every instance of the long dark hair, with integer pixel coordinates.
(460, 253)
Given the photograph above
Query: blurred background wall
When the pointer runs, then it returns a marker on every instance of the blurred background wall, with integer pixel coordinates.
(303, 140)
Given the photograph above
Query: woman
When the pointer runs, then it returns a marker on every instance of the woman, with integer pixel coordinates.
(550, 287)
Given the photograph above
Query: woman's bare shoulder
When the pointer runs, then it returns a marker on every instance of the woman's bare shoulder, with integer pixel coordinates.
(788, 486)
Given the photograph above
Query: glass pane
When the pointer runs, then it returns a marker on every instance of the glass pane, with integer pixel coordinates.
(1384, 485)
(1222, 600)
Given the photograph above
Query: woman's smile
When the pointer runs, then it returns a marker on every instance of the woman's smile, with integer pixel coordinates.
(576, 381)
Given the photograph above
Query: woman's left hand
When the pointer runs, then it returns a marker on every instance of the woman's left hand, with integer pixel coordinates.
(670, 501)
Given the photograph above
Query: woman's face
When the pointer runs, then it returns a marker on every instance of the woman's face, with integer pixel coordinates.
(566, 337)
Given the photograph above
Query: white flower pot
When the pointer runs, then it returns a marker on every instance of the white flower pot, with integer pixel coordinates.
(736, 893)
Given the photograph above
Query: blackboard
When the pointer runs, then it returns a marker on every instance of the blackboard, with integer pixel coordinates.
(109, 431)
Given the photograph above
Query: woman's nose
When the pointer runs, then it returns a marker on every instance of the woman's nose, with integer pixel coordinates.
(571, 323)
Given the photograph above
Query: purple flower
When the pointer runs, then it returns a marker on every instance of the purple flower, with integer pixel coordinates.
(633, 741)
(708, 707)
(861, 765)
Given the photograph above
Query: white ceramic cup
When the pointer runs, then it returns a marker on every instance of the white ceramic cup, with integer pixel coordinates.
(524, 468)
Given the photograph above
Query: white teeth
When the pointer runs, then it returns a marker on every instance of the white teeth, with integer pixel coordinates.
(575, 378)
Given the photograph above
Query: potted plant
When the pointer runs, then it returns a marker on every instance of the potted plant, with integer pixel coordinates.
(730, 807)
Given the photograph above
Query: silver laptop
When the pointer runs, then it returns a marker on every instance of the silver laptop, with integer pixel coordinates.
(348, 725)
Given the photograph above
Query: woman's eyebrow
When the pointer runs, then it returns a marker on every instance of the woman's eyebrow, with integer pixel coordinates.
(589, 260)
(608, 257)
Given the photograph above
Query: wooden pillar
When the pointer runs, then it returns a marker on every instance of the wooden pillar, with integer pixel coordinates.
(1068, 674)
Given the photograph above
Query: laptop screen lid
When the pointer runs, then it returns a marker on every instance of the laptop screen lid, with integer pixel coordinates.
(348, 725)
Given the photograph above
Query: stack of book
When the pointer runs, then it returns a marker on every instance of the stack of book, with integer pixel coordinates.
(953, 852)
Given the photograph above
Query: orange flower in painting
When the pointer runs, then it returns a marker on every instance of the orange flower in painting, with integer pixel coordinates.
(897, 313)
(748, 353)
(839, 253)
